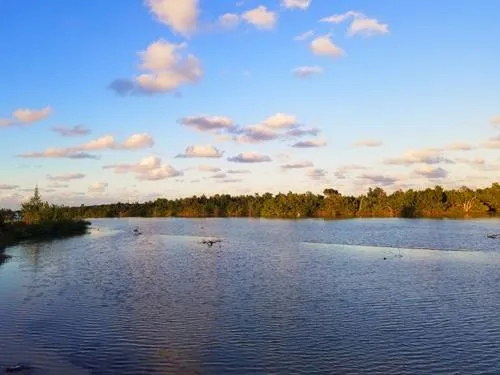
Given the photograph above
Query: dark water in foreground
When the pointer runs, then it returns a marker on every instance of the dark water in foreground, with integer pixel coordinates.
(278, 297)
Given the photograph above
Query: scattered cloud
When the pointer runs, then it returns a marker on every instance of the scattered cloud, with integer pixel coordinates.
(220, 175)
(460, 146)
(25, 116)
(208, 168)
(339, 18)
(323, 46)
(378, 179)
(75, 131)
(256, 134)
(472, 162)
(206, 151)
(138, 142)
(230, 180)
(307, 71)
(214, 124)
(180, 16)
(360, 24)
(300, 165)
(316, 174)
(300, 132)
(367, 27)
(261, 18)
(149, 169)
(238, 171)
(310, 144)
(99, 187)
(299, 4)
(343, 171)
(250, 157)
(229, 20)
(57, 185)
(368, 143)
(304, 36)
(8, 187)
(165, 70)
(431, 172)
(495, 121)
(107, 142)
(424, 156)
(66, 177)
(492, 143)
(280, 121)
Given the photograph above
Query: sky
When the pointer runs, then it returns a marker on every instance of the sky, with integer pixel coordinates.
(105, 101)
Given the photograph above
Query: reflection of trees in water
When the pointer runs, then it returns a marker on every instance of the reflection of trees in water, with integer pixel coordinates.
(3, 257)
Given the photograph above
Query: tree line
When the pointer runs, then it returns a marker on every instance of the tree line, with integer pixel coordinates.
(432, 202)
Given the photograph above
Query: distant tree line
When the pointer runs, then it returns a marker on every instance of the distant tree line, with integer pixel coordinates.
(432, 202)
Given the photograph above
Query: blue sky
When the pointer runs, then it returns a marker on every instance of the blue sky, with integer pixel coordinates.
(396, 94)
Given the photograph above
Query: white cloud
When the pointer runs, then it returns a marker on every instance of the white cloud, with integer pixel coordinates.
(250, 157)
(229, 20)
(138, 141)
(339, 18)
(460, 146)
(8, 187)
(492, 143)
(307, 71)
(107, 142)
(300, 4)
(310, 144)
(99, 187)
(208, 168)
(299, 165)
(165, 70)
(257, 134)
(101, 143)
(431, 172)
(495, 121)
(360, 25)
(28, 116)
(280, 121)
(75, 131)
(261, 18)
(25, 116)
(181, 16)
(208, 123)
(238, 171)
(367, 27)
(150, 169)
(304, 36)
(472, 162)
(378, 179)
(323, 46)
(316, 174)
(206, 151)
(160, 55)
(368, 143)
(424, 156)
(66, 177)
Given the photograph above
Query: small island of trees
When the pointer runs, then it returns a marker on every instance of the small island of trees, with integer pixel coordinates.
(37, 220)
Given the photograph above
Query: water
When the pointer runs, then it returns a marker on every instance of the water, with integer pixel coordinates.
(277, 297)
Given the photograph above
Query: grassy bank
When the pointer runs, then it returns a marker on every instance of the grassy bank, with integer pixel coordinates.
(12, 233)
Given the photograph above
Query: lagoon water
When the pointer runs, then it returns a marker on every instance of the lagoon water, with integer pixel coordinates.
(276, 297)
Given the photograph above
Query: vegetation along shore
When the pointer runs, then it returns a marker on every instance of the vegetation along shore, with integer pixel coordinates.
(37, 220)
(431, 203)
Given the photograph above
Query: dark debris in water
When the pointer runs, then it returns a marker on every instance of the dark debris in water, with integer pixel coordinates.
(19, 368)
(211, 243)
(494, 236)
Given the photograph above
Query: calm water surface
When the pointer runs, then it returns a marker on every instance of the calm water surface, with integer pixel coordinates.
(277, 297)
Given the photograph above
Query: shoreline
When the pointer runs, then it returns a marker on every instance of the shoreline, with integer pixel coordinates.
(13, 233)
